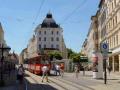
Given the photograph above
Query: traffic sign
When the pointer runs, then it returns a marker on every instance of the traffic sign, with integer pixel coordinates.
(104, 48)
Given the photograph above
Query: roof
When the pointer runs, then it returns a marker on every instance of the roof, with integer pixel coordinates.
(101, 1)
(49, 22)
(1, 29)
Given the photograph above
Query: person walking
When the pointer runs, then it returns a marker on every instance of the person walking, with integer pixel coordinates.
(44, 73)
(62, 69)
(54, 69)
(58, 69)
(109, 68)
(76, 70)
(20, 74)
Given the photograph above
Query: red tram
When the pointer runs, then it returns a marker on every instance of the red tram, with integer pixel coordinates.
(35, 64)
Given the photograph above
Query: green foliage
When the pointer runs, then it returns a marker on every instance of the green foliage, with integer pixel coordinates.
(55, 54)
(76, 57)
(70, 53)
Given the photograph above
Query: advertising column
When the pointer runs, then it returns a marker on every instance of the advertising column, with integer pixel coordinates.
(97, 65)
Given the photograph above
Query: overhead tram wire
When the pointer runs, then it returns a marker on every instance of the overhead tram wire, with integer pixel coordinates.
(36, 17)
(69, 15)
(38, 13)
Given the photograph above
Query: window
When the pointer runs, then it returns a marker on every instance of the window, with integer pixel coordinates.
(44, 38)
(39, 46)
(40, 32)
(112, 5)
(57, 32)
(57, 46)
(52, 39)
(114, 2)
(45, 32)
(44, 45)
(57, 39)
(52, 46)
(117, 39)
(39, 38)
(113, 22)
(52, 32)
(114, 41)
(116, 19)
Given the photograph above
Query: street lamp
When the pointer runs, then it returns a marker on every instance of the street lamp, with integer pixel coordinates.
(2, 48)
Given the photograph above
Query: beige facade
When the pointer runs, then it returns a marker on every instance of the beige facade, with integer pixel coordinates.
(49, 35)
(3, 42)
(90, 44)
(32, 48)
(109, 29)
(84, 48)
(23, 56)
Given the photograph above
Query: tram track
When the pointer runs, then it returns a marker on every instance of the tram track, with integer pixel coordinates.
(64, 84)
(75, 84)
(70, 84)
(43, 85)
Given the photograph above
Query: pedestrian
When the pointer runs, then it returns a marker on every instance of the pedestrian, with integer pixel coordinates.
(58, 69)
(62, 69)
(54, 69)
(44, 73)
(20, 74)
(76, 70)
(109, 68)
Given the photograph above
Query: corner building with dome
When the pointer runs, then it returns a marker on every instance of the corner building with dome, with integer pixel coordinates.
(48, 37)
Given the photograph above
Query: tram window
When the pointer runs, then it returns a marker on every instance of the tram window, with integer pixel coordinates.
(37, 62)
(44, 62)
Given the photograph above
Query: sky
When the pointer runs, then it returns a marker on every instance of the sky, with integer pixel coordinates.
(19, 18)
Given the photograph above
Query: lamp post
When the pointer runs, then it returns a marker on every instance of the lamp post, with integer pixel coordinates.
(2, 48)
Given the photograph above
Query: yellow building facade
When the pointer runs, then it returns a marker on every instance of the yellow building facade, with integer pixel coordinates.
(109, 29)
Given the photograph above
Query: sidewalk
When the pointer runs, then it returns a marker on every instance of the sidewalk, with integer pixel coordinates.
(10, 81)
(113, 80)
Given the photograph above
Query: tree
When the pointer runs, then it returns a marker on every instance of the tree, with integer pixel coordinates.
(70, 53)
(76, 58)
(55, 54)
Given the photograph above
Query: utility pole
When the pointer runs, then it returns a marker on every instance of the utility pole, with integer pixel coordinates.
(105, 73)
(1, 67)
(105, 50)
